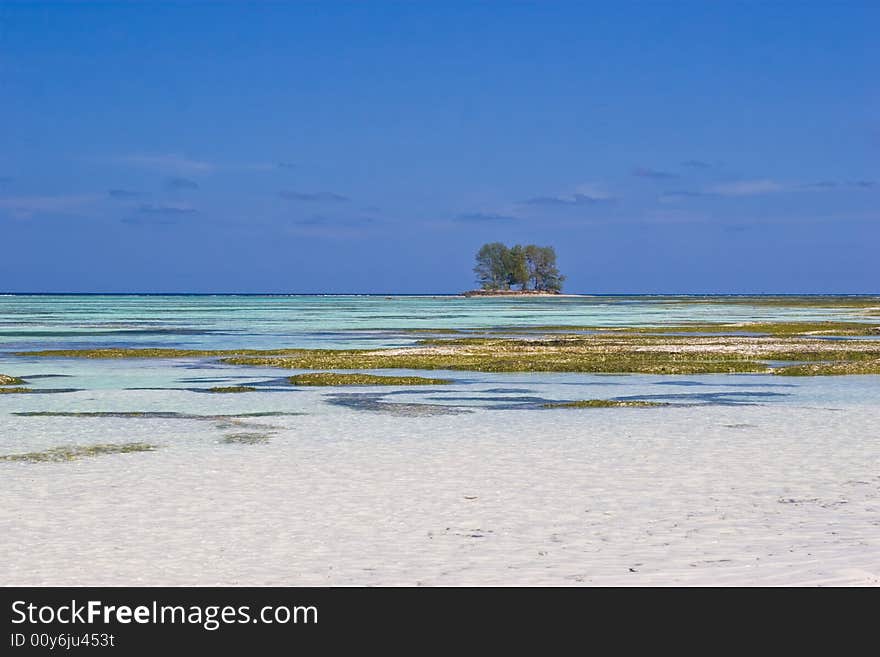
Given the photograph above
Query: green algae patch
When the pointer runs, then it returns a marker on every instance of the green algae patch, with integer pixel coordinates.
(836, 355)
(232, 389)
(6, 380)
(13, 391)
(504, 358)
(76, 452)
(245, 439)
(830, 368)
(616, 352)
(786, 348)
(605, 403)
(335, 379)
(150, 353)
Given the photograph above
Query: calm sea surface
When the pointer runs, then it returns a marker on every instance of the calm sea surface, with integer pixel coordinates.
(223, 322)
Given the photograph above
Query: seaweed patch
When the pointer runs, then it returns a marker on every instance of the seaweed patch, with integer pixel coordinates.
(75, 452)
(245, 439)
(358, 379)
(606, 403)
(231, 389)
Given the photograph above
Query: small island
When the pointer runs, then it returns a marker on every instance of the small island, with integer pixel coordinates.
(516, 270)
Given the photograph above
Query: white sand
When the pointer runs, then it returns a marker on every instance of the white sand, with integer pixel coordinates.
(764, 495)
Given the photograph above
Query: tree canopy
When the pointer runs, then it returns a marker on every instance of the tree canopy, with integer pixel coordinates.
(530, 267)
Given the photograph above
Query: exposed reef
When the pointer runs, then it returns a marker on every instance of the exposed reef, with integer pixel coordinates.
(336, 379)
(75, 452)
(245, 439)
(605, 403)
(231, 389)
(159, 353)
(787, 348)
(830, 369)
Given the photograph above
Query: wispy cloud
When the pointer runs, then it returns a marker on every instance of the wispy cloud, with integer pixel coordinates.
(757, 187)
(571, 199)
(168, 163)
(286, 165)
(830, 185)
(696, 164)
(595, 191)
(163, 214)
(181, 184)
(740, 188)
(312, 197)
(182, 165)
(653, 174)
(678, 195)
(582, 195)
(123, 194)
(23, 207)
(484, 217)
(746, 188)
(166, 209)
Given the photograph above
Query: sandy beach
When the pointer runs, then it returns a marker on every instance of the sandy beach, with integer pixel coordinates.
(699, 495)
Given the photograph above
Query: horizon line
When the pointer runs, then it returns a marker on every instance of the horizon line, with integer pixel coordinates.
(447, 294)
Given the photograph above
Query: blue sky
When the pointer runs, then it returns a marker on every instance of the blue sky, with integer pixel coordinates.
(372, 147)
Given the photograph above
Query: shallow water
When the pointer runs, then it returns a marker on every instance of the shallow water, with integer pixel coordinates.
(264, 322)
(739, 479)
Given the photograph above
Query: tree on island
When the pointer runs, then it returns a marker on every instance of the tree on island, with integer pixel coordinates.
(530, 267)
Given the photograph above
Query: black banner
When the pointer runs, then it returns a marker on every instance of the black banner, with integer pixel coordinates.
(149, 620)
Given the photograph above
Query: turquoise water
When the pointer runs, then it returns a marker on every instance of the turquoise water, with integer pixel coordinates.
(266, 322)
